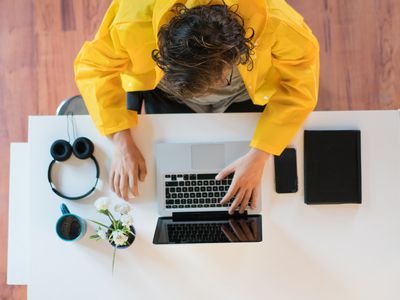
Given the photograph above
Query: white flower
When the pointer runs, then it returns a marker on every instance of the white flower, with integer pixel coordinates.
(127, 220)
(102, 233)
(102, 203)
(119, 237)
(123, 209)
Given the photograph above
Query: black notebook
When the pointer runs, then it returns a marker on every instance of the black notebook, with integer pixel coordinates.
(332, 166)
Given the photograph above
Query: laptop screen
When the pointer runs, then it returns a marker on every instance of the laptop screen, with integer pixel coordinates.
(225, 230)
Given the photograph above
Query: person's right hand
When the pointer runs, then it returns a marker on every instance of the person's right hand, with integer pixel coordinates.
(128, 165)
(240, 230)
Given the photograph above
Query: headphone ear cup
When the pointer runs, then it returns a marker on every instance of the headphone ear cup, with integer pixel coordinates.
(83, 148)
(61, 150)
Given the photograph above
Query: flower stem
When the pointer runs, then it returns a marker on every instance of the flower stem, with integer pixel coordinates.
(113, 261)
(112, 219)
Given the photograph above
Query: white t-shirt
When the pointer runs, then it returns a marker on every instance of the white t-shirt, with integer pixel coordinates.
(219, 99)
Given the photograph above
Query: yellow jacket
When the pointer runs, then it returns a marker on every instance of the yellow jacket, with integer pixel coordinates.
(285, 73)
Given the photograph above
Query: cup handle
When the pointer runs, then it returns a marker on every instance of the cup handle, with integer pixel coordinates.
(64, 209)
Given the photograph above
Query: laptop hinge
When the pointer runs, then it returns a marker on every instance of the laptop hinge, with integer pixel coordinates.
(206, 216)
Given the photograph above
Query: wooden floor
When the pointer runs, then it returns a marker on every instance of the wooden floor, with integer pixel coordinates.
(360, 66)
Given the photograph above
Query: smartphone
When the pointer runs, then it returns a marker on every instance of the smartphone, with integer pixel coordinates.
(286, 171)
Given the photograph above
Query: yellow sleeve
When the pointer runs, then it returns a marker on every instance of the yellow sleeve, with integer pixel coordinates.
(295, 57)
(97, 73)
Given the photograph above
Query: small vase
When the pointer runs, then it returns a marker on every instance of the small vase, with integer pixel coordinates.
(131, 238)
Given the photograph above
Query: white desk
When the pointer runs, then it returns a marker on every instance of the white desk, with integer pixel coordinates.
(308, 252)
(18, 215)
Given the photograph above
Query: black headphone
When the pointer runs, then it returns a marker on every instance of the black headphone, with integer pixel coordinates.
(61, 150)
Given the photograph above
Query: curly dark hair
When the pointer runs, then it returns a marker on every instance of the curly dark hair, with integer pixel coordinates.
(198, 44)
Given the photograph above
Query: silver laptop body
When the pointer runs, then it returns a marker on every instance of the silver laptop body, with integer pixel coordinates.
(180, 163)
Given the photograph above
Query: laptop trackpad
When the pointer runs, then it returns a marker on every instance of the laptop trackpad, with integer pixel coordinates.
(208, 156)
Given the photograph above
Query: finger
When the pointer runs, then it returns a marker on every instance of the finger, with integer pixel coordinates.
(245, 201)
(246, 229)
(225, 172)
(135, 183)
(238, 200)
(116, 184)
(254, 228)
(230, 193)
(229, 235)
(111, 181)
(142, 170)
(237, 230)
(131, 183)
(255, 196)
(123, 186)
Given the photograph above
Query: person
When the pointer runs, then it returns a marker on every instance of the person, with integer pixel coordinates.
(200, 56)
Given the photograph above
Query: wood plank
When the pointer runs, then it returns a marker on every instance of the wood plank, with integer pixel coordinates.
(17, 99)
(360, 52)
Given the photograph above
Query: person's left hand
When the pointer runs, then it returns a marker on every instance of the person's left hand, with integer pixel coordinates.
(246, 180)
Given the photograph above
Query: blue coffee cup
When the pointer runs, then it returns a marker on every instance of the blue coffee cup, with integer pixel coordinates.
(70, 227)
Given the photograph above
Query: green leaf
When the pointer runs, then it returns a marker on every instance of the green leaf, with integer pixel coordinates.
(119, 225)
(98, 223)
(110, 216)
(128, 231)
(94, 236)
(113, 261)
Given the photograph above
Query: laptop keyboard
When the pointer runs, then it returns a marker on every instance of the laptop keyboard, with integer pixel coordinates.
(196, 233)
(196, 190)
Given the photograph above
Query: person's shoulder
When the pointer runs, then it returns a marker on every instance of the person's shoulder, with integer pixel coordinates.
(281, 11)
(134, 11)
(285, 21)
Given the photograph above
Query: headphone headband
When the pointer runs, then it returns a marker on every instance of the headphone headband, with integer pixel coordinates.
(58, 193)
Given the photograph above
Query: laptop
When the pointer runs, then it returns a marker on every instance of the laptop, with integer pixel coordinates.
(188, 195)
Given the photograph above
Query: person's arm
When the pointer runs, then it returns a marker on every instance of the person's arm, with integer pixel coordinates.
(295, 58)
(97, 73)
